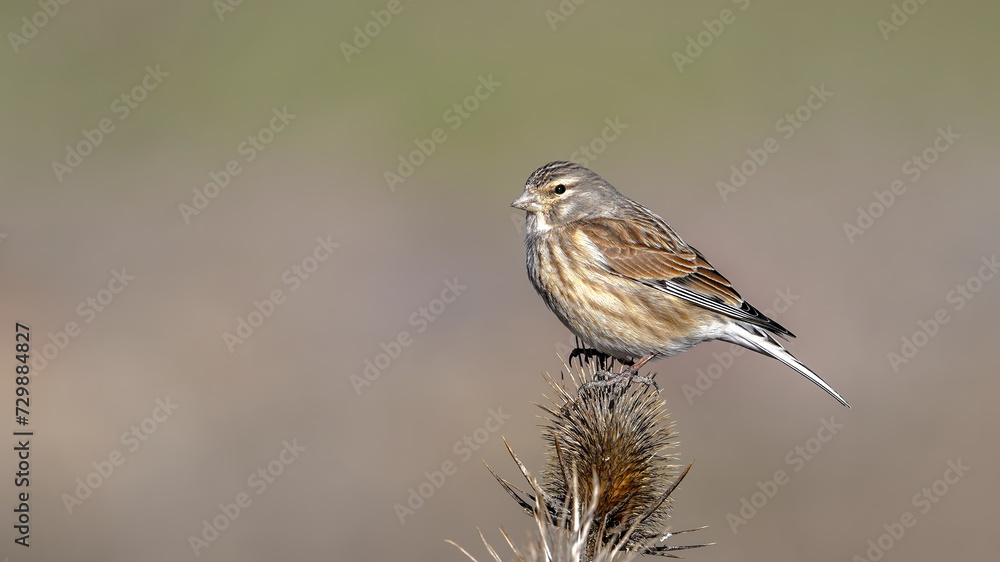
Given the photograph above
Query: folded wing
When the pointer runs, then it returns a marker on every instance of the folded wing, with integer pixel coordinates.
(645, 249)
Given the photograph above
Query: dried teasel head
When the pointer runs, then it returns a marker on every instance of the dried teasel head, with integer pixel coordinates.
(618, 437)
(605, 493)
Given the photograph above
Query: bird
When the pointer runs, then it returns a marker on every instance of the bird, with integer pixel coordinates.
(625, 283)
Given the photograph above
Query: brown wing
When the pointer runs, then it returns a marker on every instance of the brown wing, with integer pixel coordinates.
(647, 250)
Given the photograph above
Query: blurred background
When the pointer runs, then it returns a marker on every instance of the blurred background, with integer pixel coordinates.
(277, 299)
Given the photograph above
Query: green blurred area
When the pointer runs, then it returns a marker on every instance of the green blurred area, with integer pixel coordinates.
(607, 58)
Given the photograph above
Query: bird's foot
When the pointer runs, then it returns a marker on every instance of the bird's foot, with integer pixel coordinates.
(625, 378)
(582, 353)
(585, 354)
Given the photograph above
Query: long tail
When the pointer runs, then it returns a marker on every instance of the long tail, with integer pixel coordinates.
(756, 339)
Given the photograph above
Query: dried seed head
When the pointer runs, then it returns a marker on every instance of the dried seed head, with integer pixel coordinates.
(605, 492)
(616, 435)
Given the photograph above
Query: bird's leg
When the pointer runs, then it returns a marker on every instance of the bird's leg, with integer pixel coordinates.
(631, 374)
(634, 369)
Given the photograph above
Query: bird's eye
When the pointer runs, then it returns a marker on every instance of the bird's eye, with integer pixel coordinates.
(560, 189)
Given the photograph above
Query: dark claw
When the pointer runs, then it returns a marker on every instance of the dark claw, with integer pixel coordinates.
(583, 353)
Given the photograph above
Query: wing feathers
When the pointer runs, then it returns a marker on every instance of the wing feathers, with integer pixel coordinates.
(645, 249)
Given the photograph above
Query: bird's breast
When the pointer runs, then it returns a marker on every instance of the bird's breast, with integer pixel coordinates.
(612, 313)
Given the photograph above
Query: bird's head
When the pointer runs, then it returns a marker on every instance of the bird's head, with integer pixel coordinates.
(563, 192)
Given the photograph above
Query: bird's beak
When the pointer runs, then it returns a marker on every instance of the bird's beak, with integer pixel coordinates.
(527, 203)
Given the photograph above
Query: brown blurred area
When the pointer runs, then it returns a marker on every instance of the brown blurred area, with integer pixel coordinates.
(324, 465)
